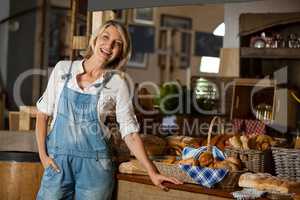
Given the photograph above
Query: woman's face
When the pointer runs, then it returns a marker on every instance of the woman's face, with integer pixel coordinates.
(108, 45)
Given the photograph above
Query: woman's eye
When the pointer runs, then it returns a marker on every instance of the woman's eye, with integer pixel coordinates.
(118, 44)
(105, 37)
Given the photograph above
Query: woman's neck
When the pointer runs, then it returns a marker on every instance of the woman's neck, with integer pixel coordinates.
(93, 67)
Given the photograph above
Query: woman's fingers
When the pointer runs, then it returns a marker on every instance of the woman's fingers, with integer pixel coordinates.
(176, 181)
(172, 180)
(54, 166)
(163, 187)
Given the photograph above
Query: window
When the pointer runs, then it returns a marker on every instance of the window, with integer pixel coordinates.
(138, 60)
(143, 15)
(212, 64)
(209, 64)
(220, 30)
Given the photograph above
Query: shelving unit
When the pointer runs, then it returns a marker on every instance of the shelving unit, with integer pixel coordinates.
(270, 53)
(280, 64)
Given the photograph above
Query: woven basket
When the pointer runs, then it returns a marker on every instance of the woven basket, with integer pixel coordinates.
(287, 163)
(254, 160)
(173, 170)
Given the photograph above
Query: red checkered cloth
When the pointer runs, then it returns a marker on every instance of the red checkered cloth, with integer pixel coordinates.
(237, 125)
(255, 127)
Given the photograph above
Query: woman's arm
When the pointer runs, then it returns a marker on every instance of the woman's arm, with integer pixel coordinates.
(41, 133)
(136, 146)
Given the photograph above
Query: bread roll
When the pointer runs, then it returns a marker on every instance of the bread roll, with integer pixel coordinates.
(222, 142)
(252, 143)
(225, 165)
(235, 142)
(205, 159)
(190, 141)
(189, 161)
(174, 140)
(245, 140)
(237, 162)
(154, 145)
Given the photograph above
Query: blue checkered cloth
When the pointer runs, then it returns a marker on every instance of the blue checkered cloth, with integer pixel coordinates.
(205, 176)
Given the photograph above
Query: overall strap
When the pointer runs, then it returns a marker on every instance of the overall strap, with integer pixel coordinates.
(107, 78)
(67, 76)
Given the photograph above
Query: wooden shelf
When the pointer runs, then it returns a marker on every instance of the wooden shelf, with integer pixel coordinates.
(278, 53)
(254, 82)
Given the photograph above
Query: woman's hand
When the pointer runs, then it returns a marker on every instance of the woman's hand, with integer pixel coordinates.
(49, 162)
(158, 179)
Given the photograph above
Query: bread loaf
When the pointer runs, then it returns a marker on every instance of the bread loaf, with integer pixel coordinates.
(154, 145)
(264, 181)
(132, 167)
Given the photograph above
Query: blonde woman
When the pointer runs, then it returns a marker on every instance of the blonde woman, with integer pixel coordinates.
(75, 154)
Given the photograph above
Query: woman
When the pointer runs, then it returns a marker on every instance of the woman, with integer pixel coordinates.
(75, 154)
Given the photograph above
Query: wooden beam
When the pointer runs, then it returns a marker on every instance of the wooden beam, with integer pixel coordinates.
(74, 5)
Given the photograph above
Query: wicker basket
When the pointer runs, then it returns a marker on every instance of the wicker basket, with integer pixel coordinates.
(287, 163)
(254, 160)
(173, 170)
(229, 182)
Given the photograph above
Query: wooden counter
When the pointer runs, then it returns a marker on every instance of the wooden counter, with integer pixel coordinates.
(137, 187)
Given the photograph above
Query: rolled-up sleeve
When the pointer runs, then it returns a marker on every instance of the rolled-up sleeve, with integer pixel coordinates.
(46, 102)
(124, 110)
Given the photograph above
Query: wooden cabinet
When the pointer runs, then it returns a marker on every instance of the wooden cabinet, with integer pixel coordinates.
(249, 94)
(280, 64)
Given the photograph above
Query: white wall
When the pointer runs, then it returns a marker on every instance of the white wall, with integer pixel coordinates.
(232, 12)
(4, 13)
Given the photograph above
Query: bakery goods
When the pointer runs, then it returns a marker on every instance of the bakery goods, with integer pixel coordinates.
(190, 141)
(226, 165)
(245, 140)
(154, 145)
(236, 142)
(235, 161)
(206, 158)
(132, 167)
(264, 181)
(175, 144)
(189, 161)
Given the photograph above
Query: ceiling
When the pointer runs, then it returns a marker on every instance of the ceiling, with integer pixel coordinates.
(98, 5)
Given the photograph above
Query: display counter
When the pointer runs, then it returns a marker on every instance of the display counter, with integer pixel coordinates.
(137, 187)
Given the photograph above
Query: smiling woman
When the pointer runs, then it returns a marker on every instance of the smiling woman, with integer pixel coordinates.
(79, 95)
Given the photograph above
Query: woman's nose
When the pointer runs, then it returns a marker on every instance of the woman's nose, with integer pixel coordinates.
(109, 44)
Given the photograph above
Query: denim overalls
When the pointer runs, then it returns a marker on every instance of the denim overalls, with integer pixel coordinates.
(79, 148)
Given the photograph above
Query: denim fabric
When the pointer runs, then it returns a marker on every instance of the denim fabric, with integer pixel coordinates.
(78, 146)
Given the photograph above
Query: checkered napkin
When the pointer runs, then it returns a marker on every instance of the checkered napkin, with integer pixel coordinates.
(205, 176)
(237, 125)
(255, 127)
(247, 193)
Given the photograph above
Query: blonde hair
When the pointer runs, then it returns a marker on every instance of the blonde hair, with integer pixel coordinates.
(119, 62)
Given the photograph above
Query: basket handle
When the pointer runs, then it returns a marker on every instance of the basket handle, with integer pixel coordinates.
(210, 131)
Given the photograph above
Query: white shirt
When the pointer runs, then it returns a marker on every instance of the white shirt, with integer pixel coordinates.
(114, 97)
